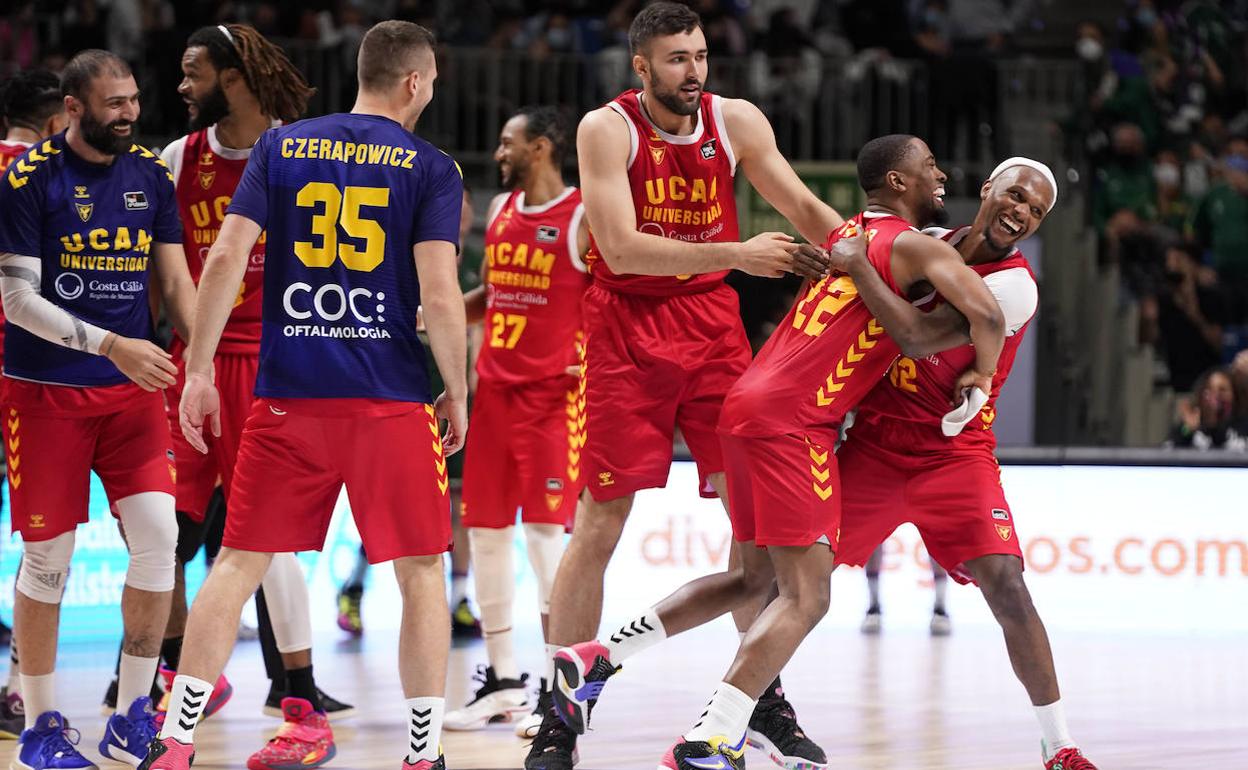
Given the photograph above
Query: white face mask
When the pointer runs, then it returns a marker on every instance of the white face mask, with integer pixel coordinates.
(1089, 49)
(1167, 175)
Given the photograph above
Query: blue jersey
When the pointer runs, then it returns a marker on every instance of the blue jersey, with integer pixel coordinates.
(343, 199)
(92, 226)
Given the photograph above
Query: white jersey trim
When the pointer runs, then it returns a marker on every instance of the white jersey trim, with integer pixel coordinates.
(574, 232)
(693, 138)
(721, 128)
(172, 156)
(543, 208)
(633, 139)
(175, 152)
(497, 204)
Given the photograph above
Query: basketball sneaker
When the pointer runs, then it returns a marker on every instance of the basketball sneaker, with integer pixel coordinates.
(424, 764)
(168, 754)
(349, 618)
(529, 725)
(774, 731)
(109, 704)
(12, 715)
(940, 625)
(554, 746)
(304, 740)
(221, 693)
(126, 737)
(464, 625)
(1069, 759)
(50, 745)
(715, 754)
(581, 671)
(496, 700)
(871, 622)
(334, 708)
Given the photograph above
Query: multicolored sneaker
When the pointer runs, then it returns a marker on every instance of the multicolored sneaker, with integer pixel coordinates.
(12, 715)
(496, 700)
(304, 740)
(715, 754)
(126, 738)
(168, 754)
(528, 727)
(349, 619)
(11, 702)
(221, 693)
(334, 708)
(581, 671)
(774, 731)
(464, 625)
(554, 746)
(50, 745)
(1069, 759)
(424, 764)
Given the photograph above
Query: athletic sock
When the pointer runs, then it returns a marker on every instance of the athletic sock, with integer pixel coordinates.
(873, 591)
(1053, 729)
(639, 634)
(727, 715)
(939, 585)
(459, 588)
(187, 701)
(424, 720)
(551, 649)
(171, 652)
(301, 684)
(39, 693)
(134, 680)
(15, 669)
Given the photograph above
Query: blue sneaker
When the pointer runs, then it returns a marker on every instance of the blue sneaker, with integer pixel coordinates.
(50, 745)
(126, 738)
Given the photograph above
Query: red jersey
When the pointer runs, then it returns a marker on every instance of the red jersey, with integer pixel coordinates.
(205, 174)
(9, 152)
(534, 281)
(826, 355)
(682, 189)
(918, 390)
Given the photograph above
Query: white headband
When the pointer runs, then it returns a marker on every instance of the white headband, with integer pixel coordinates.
(1034, 165)
(226, 32)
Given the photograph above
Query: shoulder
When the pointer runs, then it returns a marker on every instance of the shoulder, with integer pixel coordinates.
(496, 206)
(150, 162)
(37, 163)
(604, 120)
(1016, 292)
(742, 118)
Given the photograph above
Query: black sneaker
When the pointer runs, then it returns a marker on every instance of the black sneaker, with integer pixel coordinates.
(528, 726)
(496, 700)
(109, 704)
(334, 708)
(554, 747)
(774, 731)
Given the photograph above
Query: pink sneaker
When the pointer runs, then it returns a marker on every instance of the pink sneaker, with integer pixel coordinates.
(424, 764)
(221, 693)
(304, 740)
(168, 754)
(581, 671)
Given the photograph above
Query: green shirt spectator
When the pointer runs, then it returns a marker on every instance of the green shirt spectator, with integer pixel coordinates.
(1219, 225)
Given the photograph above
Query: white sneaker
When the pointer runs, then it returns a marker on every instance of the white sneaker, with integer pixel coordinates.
(871, 623)
(528, 726)
(941, 625)
(496, 700)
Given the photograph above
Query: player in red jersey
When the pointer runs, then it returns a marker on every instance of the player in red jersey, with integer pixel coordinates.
(527, 420)
(664, 340)
(362, 227)
(33, 110)
(779, 425)
(905, 460)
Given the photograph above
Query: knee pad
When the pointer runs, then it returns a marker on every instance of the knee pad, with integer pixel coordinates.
(545, 546)
(286, 596)
(45, 568)
(151, 529)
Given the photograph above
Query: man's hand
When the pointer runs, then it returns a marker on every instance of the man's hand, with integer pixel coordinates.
(147, 365)
(810, 262)
(849, 254)
(200, 401)
(769, 255)
(971, 379)
(455, 412)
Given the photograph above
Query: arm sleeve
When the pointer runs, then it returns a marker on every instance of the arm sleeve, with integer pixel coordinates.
(437, 217)
(1016, 294)
(24, 306)
(251, 197)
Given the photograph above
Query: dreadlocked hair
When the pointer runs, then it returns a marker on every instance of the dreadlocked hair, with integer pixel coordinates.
(278, 85)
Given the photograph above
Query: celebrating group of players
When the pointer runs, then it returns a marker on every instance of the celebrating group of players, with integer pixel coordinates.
(292, 258)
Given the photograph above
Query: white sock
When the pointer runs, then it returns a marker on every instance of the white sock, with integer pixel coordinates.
(727, 715)
(459, 589)
(187, 701)
(424, 723)
(39, 692)
(551, 649)
(15, 669)
(638, 634)
(1053, 728)
(134, 680)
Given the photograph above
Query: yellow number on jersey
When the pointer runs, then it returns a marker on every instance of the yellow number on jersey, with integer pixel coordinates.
(342, 207)
(903, 373)
(836, 295)
(506, 324)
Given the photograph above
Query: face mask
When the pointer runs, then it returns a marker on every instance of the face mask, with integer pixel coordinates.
(1146, 17)
(1088, 49)
(1167, 175)
(1196, 179)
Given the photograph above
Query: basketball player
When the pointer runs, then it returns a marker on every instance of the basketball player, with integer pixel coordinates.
(663, 333)
(236, 85)
(362, 216)
(527, 424)
(898, 465)
(33, 110)
(940, 625)
(779, 426)
(85, 218)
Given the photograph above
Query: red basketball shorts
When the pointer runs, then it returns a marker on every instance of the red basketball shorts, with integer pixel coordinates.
(784, 490)
(524, 451)
(55, 435)
(297, 454)
(896, 472)
(199, 474)
(654, 364)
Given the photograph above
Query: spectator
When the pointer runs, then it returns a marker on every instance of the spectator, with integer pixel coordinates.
(1125, 195)
(1205, 419)
(1173, 206)
(1184, 318)
(1239, 380)
(1219, 226)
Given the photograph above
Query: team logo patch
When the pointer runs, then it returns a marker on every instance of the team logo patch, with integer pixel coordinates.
(708, 149)
(206, 179)
(80, 191)
(1000, 514)
(1004, 531)
(135, 201)
(84, 210)
(658, 153)
(605, 479)
(547, 233)
(68, 286)
(36, 521)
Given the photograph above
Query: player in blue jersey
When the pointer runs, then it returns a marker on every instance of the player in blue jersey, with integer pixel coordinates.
(88, 222)
(362, 224)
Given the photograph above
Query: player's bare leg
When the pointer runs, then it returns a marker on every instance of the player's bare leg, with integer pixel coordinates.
(424, 645)
(576, 599)
(35, 626)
